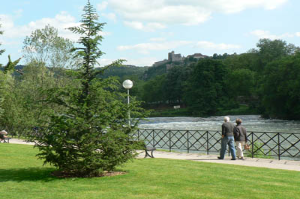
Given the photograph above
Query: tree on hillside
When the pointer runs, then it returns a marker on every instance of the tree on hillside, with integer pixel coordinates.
(92, 134)
(270, 50)
(154, 71)
(241, 83)
(45, 46)
(174, 84)
(248, 60)
(1, 81)
(153, 90)
(281, 88)
(9, 102)
(48, 59)
(31, 88)
(205, 88)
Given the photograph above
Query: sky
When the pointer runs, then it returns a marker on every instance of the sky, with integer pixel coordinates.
(144, 31)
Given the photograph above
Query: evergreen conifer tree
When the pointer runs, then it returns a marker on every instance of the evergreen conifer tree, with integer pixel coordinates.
(90, 134)
(1, 50)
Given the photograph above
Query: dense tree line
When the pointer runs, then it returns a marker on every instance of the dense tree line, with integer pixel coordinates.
(265, 80)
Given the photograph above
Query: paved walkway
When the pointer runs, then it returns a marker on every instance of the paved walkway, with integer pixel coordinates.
(253, 162)
(19, 141)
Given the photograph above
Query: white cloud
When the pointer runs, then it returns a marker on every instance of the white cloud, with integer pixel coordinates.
(158, 39)
(134, 24)
(6, 22)
(110, 16)
(104, 62)
(234, 6)
(214, 46)
(144, 48)
(298, 34)
(61, 21)
(143, 61)
(137, 13)
(266, 34)
(148, 27)
(102, 5)
(9, 42)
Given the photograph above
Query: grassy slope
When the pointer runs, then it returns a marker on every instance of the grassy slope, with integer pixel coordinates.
(22, 176)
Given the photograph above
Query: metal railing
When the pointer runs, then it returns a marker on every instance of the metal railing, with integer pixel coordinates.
(263, 144)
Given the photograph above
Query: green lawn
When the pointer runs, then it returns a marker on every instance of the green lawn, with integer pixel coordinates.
(23, 176)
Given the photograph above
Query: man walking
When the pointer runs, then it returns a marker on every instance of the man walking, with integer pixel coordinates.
(227, 138)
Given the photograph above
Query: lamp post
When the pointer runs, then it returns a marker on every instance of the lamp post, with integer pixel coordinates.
(127, 84)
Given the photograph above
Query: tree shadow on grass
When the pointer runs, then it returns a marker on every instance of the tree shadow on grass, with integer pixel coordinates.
(27, 174)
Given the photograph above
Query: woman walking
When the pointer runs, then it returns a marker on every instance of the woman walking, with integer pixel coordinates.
(240, 137)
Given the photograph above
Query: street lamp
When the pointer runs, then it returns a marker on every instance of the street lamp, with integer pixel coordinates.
(127, 84)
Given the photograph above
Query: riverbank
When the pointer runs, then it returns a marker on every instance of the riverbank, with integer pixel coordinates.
(185, 112)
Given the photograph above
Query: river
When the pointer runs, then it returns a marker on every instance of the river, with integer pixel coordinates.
(250, 122)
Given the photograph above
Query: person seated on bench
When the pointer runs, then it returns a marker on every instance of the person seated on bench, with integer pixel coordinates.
(3, 136)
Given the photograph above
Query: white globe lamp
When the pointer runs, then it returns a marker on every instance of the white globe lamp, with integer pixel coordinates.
(127, 84)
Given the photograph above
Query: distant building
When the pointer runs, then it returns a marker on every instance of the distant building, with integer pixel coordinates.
(174, 57)
(197, 56)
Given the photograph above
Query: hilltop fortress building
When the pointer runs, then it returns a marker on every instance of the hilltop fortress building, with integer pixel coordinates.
(172, 57)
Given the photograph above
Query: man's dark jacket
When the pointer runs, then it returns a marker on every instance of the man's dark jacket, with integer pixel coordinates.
(227, 129)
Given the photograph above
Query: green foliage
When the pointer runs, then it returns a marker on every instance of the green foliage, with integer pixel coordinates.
(1, 80)
(242, 82)
(174, 85)
(9, 110)
(170, 112)
(154, 90)
(220, 57)
(258, 151)
(87, 132)
(45, 46)
(205, 90)
(2, 85)
(125, 71)
(241, 109)
(134, 73)
(154, 71)
(260, 79)
(249, 60)
(10, 66)
(281, 90)
(35, 80)
(273, 50)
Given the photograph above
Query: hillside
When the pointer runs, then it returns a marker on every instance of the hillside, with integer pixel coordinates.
(125, 71)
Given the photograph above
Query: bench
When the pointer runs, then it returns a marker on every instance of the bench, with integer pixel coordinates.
(149, 149)
(5, 140)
